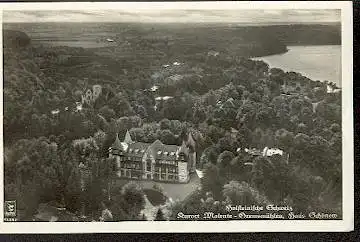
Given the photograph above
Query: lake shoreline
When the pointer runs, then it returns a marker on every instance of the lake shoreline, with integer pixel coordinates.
(309, 60)
(275, 53)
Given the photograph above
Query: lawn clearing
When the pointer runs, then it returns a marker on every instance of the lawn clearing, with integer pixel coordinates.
(175, 191)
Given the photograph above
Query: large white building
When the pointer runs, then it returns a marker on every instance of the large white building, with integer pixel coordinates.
(154, 161)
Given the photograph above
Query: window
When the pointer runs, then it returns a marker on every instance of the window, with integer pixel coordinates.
(162, 176)
(148, 166)
(171, 177)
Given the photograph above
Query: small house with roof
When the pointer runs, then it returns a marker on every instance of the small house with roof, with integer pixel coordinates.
(213, 53)
(154, 161)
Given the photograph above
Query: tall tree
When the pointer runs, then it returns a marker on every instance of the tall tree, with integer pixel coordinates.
(242, 193)
(159, 215)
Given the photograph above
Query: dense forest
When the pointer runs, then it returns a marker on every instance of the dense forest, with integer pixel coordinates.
(47, 135)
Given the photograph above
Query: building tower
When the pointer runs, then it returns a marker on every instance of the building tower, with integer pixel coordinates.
(183, 163)
(117, 150)
(190, 143)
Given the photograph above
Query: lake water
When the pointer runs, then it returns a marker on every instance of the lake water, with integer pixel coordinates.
(315, 62)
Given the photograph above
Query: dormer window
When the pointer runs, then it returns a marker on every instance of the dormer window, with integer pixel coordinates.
(172, 153)
(142, 151)
(159, 152)
(137, 151)
(130, 150)
(166, 153)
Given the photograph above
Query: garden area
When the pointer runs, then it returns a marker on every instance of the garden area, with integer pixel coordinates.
(174, 191)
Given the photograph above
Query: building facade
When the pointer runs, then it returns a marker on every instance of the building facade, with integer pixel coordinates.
(154, 161)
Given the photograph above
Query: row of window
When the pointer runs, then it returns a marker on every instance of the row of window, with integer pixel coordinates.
(135, 158)
(169, 169)
(148, 168)
(169, 162)
(157, 176)
(136, 151)
(129, 174)
(163, 177)
(130, 158)
(130, 165)
(137, 165)
(165, 153)
(163, 173)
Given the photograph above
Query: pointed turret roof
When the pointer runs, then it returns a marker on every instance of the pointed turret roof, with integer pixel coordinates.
(117, 144)
(183, 149)
(190, 141)
(127, 138)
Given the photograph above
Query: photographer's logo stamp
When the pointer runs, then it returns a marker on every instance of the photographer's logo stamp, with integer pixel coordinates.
(10, 211)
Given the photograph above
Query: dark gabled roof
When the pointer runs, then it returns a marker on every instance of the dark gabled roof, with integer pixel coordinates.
(162, 151)
(137, 149)
(139, 145)
(157, 148)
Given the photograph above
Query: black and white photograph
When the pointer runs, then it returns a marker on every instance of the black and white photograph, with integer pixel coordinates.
(176, 112)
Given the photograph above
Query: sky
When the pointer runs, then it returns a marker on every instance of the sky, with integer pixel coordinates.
(177, 15)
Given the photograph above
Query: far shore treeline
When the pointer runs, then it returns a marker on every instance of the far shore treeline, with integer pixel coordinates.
(237, 40)
(215, 90)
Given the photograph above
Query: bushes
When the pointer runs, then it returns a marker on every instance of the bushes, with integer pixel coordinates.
(155, 197)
